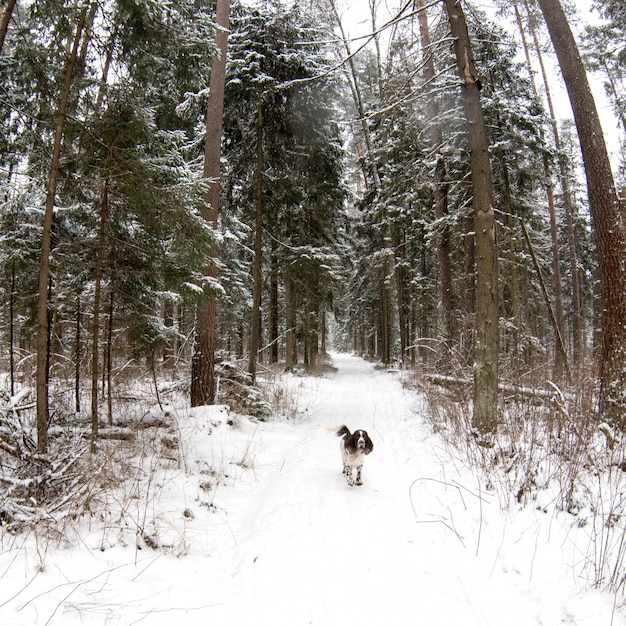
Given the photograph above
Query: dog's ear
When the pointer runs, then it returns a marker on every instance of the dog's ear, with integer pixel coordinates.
(349, 443)
(369, 445)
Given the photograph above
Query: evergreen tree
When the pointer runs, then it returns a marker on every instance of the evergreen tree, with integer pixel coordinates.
(123, 149)
(278, 99)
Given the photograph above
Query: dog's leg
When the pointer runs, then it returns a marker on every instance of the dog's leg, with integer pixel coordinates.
(347, 472)
(359, 482)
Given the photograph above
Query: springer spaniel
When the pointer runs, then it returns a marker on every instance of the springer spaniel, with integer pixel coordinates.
(354, 447)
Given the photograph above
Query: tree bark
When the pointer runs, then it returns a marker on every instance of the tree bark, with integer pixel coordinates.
(441, 185)
(203, 360)
(399, 246)
(43, 411)
(255, 330)
(512, 283)
(291, 354)
(487, 315)
(4, 21)
(273, 313)
(77, 356)
(311, 332)
(607, 225)
(12, 296)
(95, 341)
(109, 361)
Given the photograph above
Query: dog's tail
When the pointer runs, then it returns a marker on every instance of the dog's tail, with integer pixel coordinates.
(342, 431)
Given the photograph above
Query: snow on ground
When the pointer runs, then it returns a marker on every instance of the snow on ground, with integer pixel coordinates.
(256, 525)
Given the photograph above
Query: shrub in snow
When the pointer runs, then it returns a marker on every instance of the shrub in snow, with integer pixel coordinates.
(235, 388)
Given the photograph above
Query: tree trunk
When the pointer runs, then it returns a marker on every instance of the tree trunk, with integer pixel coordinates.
(399, 247)
(4, 21)
(577, 324)
(560, 355)
(383, 320)
(95, 341)
(291, 353)
(311, 333)
(560, 348)
(487, 315)
(43, 411)
(12, 295)
(441, 185)
(77, 356)
(109, 361)
(606, 220)
(512, 282)
(273, 316)
(203, 360)
(255, 331)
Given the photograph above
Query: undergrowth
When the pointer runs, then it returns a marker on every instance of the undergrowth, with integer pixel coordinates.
(118, 493)
(110, 494)
(550, 451)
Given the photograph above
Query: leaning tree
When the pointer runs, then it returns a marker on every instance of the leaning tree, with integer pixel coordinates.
(608, 229)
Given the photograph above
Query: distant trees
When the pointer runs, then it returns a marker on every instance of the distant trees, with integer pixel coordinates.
(283, 176)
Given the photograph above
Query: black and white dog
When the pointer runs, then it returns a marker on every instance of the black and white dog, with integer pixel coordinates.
(354, 447)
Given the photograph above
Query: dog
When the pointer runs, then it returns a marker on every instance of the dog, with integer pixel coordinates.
(354, 447)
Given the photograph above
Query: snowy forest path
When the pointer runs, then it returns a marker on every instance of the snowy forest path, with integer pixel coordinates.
(258, 528)
(312, 550)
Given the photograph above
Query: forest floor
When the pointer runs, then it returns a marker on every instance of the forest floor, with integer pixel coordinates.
(236, 522)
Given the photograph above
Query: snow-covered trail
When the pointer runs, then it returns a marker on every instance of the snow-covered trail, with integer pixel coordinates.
(309, 546)
(311, 550)
(286, 542)
(413, 545)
